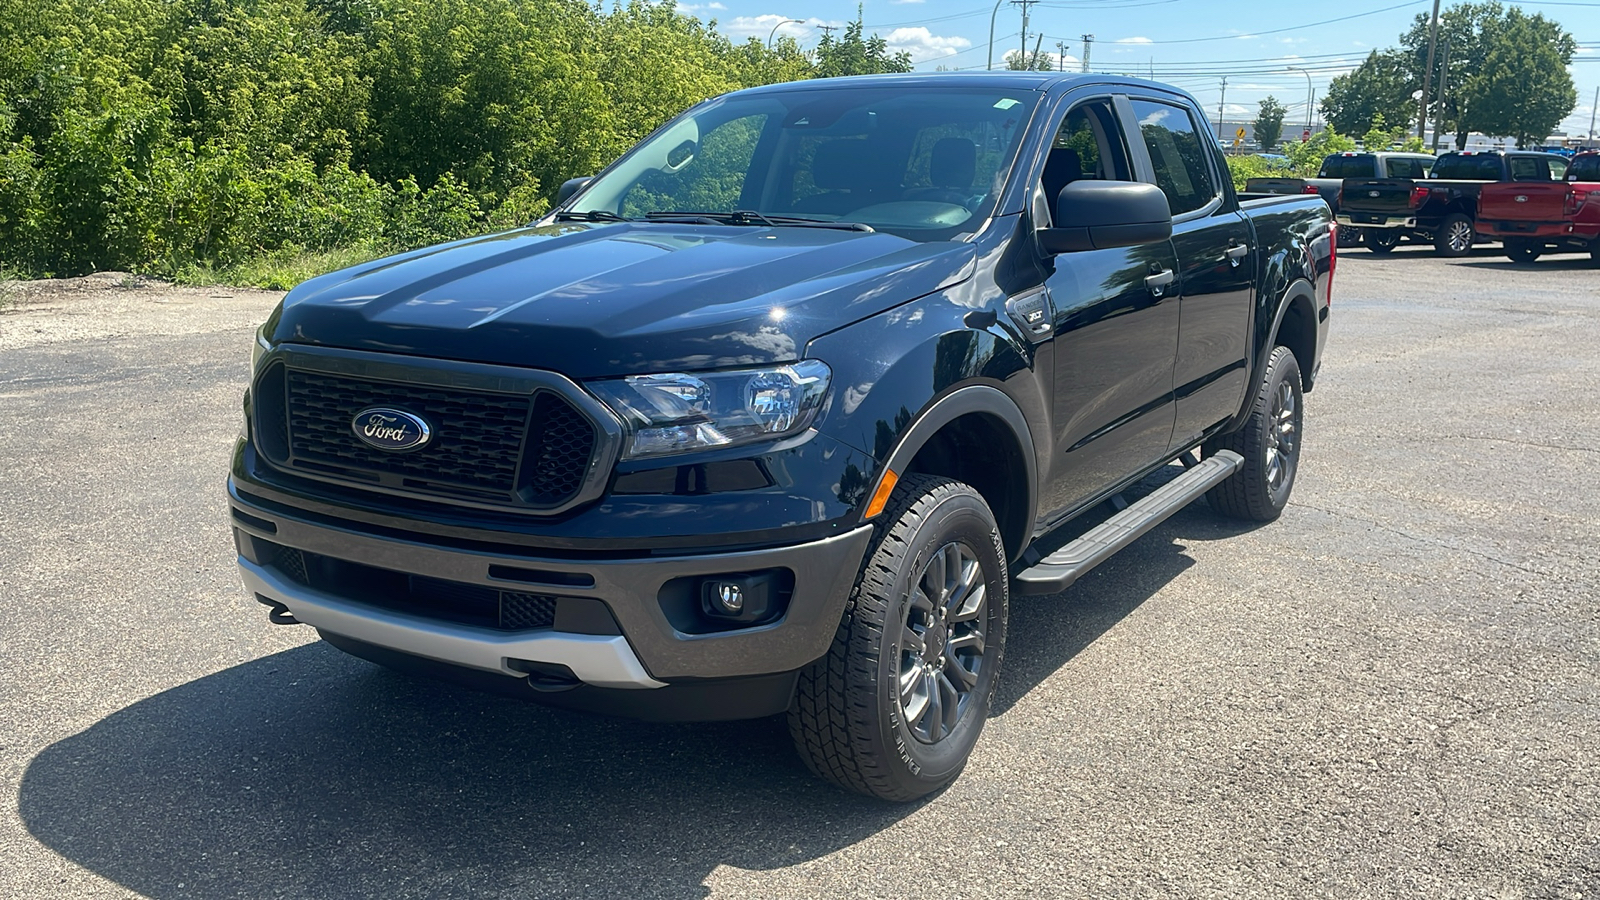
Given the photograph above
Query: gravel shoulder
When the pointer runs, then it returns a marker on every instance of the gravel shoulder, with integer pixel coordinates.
(119, 305)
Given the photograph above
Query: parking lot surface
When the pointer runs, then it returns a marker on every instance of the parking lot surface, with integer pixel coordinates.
(1393, 691)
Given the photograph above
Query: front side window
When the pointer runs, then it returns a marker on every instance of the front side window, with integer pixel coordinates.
(1088, 145)
(926, 164)
(1558, 169)
(1177, 153)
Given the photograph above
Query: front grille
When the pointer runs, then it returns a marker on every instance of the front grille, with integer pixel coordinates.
(530, 450)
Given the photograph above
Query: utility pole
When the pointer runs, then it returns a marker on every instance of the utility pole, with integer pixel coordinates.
(1220, 107)
(1591, 114)
(1427, 74)
(1444, 90)
(1024, 4)
(1087, 40)
(1061, 63)
(1034, 64)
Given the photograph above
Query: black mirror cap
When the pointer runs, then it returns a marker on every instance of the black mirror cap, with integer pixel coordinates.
(571, 186)
(1098, 215)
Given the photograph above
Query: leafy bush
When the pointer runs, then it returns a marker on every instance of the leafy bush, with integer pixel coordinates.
(259, 139)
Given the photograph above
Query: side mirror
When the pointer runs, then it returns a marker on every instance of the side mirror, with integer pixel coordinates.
(571, 186)
(1097, 215)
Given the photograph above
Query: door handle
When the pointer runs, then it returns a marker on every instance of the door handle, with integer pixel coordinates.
(1157, 282)
(1236, 252)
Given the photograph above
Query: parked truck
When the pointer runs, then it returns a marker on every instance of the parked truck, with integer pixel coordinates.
(1443, 208)
(1531, 219)
(777, 413)
(1336, 167)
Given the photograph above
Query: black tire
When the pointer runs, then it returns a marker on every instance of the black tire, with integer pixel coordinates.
(1270, 444)
(1455, 236)
(1349, 237)
(850, 720)
(1382, 240)
(1522, 251)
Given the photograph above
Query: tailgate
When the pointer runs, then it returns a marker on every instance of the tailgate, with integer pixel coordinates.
(1383, 196)
(1523, 201)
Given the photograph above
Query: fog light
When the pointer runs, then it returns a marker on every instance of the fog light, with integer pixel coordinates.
(742, 597)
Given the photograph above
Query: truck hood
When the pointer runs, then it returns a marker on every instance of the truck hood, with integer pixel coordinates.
(623, 298)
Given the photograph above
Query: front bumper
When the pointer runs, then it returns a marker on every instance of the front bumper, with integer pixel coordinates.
(649, 652)
(1366, 221)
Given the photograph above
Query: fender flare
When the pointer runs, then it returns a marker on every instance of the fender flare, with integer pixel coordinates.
(973, 398)
(1299, 288)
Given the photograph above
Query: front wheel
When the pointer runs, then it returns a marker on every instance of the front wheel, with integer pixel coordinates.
(896, 706)
(1454, 237)
(1522, 251)
(1382, 240)
(1270, 444)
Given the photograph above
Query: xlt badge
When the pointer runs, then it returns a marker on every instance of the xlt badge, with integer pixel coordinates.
(390, 429)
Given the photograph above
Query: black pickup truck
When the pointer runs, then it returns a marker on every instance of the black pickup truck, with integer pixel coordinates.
(1442, 209)
(777, 413)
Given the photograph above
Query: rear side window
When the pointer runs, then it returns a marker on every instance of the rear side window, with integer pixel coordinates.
(1358, 166)
(1183, 171)
(1528, 168)
(1406, 168)
(1584, 168)
(1467, 168)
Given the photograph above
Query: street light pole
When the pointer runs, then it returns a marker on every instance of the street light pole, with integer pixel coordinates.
(991, 32)
(1220, 106)
(1309, 93)
(773, 33)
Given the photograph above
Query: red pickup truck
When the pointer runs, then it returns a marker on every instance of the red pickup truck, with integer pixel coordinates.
(1533, 218)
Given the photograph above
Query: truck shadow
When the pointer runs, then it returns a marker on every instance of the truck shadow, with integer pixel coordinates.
(311, 774)
(1566, 262)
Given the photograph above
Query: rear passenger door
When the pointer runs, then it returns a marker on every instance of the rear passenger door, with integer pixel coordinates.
(1216, 265)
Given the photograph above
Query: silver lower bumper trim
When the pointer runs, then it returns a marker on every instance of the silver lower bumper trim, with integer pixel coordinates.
(600, 660)
(1390, 222)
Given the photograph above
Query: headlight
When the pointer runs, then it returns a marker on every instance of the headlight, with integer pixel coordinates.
(259, 349)
(678, 412)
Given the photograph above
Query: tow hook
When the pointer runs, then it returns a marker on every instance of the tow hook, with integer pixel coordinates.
(279, 613)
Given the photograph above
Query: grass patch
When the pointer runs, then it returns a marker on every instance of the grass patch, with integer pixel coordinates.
(279, 270)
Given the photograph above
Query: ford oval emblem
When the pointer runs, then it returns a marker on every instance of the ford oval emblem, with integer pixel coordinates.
(1372, 193)
(1521, 198)
(390, 429)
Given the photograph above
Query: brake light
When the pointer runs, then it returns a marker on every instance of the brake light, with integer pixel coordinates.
(1419, 196)
(1333, 256)
(1309, 189)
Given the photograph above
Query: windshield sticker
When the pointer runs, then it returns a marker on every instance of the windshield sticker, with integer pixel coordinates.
(1007, 103)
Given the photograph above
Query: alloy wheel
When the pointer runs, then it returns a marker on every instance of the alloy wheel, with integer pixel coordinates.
(942, 642)
(1282, 436)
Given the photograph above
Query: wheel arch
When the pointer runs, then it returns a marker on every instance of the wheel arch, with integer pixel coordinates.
(1294, 326)
(978, 435)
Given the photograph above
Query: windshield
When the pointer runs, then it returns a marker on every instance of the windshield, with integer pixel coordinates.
(925, 164)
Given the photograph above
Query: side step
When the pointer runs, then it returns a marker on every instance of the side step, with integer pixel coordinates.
(1060, 569)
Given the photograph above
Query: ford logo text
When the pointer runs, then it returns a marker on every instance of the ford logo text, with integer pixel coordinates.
(390, 429)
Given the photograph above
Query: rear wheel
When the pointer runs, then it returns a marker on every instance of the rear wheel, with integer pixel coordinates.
(1270, 444)
(896, 706)
(1454, 237)
(1522, 251)
(1382, 240)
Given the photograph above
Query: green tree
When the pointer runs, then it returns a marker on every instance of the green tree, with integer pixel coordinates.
(1461, 52)
(1524, 89)
(1268, 125)
(1037, 61)
(1307, 156)
(854, 55)
(1379, 88)
(1379, 136)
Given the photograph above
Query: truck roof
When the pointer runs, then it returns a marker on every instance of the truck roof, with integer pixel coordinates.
(1031, 81)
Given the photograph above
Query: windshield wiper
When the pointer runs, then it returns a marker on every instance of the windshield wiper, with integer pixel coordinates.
(593, 215)
(751, 217)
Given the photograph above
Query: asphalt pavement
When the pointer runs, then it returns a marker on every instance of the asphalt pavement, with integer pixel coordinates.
(1393, 691)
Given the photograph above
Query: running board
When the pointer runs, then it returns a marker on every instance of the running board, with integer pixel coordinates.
(1060, 569)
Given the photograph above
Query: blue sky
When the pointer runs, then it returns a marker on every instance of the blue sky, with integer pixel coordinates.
(1190, 43)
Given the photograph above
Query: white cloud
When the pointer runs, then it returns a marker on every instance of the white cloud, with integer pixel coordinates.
(899, 2)
(700, 7)
(924, 45)
(741, 27)
(1133, 40)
